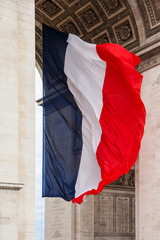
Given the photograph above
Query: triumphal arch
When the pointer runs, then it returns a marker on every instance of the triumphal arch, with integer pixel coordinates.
(127, 209)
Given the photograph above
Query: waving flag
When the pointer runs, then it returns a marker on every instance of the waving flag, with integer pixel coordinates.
(93, 115)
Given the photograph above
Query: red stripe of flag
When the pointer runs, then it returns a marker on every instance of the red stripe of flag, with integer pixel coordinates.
(123, 115)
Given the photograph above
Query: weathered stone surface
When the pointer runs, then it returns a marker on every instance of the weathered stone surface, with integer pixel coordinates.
(17, 130)
(111, 215)
(59, 219)
(148, 165)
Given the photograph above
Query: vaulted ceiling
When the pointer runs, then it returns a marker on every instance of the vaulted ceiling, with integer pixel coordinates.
(134, 24)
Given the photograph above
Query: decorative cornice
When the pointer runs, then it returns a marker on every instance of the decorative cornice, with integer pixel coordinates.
(146, 47)
(102, 21)
(11, 186)
(149, 59)
(127, 180)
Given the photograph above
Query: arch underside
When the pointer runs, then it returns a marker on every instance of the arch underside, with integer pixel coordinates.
(134, 24)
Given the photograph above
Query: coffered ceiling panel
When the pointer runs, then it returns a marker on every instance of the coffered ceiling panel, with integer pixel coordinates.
(98, 21)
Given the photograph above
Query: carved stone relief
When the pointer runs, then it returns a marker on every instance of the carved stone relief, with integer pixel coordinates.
(89, 17)
(69, 25)
(95, 21)
(124, 32)
(99, 22)
(114, 214)
(70, 2)
(50, 9)
(101, 38)
(150, 12)
(112, 7)
(127, 180)
(149, 59)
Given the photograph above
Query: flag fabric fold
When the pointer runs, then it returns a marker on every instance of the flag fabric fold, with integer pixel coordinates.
(93, 115)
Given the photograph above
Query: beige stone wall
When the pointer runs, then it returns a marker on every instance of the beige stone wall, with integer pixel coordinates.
(148, 165)
(8, 215)
(68, 221)
(84, 224)
(17, 130)
(109, 215)
(59, 219)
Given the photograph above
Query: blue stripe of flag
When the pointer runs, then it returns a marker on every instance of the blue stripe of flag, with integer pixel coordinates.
(62, 126)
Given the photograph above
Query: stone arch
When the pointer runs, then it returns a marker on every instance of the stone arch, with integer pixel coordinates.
(132, 24)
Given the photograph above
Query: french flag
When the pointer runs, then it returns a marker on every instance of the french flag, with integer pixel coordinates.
(93, 116)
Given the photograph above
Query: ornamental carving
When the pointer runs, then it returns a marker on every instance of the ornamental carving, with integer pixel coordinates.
(112, 7)
(50, 8)
(123, 32)
(57, 234)
(70, 2)
(150, 12)
(89, 17)
(149, 59)
(114, 214)
(11, 186)
(112, 4)
(92, 20)
(153, 10)
(156, 5)
(69, 26)
(101, 38)
(127, 180)
(38, 31)
(39, 42)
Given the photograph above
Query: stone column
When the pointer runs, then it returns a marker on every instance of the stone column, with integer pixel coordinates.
(65, 220)
(148, 165)
(17, 130)
(59, 219)
(85, 219)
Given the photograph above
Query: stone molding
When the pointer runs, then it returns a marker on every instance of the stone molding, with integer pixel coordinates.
(97, 21)
(126, 180)
(149, 59)
(118, 24)
(114, 214)
(11, 186)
